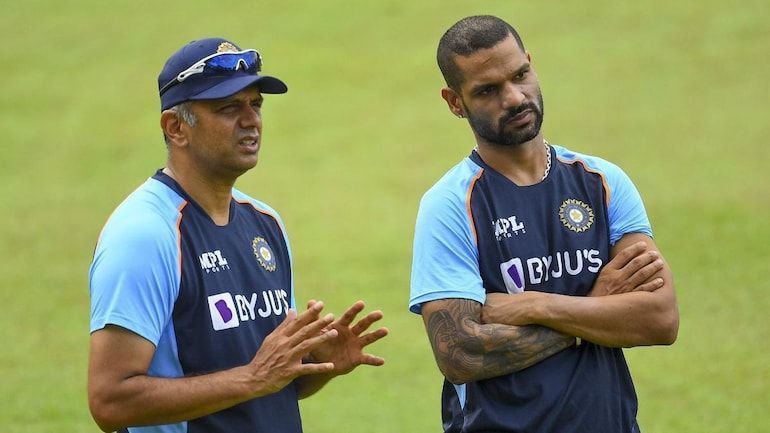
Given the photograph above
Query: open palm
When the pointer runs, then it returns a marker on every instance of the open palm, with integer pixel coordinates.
(346, 350)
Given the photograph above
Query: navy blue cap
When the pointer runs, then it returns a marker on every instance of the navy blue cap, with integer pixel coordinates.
(208, 86)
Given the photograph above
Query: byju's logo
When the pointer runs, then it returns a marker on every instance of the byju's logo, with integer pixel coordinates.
(213, 261)
(506, 227)
(229, 311)
(517, 273)
(222, 309)
(513, 275)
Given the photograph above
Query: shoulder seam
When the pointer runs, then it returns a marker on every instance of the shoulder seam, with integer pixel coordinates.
(468, 207)
(601, 175)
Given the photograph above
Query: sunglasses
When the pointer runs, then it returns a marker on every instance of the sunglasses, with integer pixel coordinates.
(229, 61)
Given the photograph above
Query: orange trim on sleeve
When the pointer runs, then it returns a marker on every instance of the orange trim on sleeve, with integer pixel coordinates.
(179, 235)
(590, 170)
(468, 205)
(263, 212)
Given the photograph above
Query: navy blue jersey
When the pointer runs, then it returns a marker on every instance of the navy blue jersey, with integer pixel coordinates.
(477, 233)
(205, 295)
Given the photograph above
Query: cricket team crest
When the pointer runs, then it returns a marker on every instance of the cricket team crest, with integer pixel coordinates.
(263, 253)
(576, 215)
(225, 47)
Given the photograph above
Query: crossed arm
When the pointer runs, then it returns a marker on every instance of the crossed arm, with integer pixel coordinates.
(632, 303)
(466, 349)
(120, 392)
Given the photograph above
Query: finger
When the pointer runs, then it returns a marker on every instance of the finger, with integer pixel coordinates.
(373, 336)
(316, 368)
(312, 329)
(308, 316)
(626, 254)
(310, 303)
(350, 314)
(643, 274)
(291, 316)
(309, 344)
(651, 286)
(639, 262)
(366, 322)
(369, 359)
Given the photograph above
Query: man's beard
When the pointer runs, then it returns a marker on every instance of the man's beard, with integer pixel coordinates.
(496, 134)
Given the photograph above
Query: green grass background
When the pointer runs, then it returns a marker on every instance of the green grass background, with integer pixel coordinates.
(674, 92)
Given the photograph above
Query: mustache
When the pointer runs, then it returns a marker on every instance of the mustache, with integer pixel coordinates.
(518, 110)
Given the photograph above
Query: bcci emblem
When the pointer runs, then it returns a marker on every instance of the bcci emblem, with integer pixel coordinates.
(576, 215)
(225, 47)
(263, 253)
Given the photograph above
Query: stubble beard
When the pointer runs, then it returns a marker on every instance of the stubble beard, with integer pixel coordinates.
(497, 134)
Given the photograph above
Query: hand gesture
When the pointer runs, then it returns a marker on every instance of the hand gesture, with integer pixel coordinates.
(634, 268)
(345, 351)
(279, 359)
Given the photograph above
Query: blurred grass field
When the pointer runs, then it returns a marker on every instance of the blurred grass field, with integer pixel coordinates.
(674, 92)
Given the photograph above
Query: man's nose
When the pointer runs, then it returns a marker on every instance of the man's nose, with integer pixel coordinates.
(512, 96)
(251, 117)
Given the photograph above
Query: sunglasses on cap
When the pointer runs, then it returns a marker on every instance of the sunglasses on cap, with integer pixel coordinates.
(228, 61)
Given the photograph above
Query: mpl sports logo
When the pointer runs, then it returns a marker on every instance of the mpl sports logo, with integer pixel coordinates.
(507, 227)
(518, 273)
(229, 311)
(213, 261)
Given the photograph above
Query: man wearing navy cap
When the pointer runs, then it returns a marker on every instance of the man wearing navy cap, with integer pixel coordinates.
(193, 316)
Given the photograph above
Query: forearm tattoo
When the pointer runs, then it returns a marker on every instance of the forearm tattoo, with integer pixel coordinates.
(468, 350)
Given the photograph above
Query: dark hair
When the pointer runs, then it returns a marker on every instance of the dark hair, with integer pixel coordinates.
(466, 37)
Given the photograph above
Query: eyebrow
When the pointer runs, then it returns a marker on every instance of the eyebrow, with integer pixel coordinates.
(231, 100)
(523, 68)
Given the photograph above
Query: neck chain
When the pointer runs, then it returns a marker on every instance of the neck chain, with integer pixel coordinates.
(547, 160)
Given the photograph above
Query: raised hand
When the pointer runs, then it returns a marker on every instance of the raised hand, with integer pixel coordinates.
(633, 269)
(279, 359)
(345, 351)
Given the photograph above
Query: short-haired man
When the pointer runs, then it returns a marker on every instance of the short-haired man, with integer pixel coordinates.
(193, 322)
(533, 265)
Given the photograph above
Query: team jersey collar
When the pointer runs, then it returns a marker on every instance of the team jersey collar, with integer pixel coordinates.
(174, 185)
(476, 158)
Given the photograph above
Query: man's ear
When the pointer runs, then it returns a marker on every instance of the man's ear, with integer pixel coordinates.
(171, 124)
(453, 101)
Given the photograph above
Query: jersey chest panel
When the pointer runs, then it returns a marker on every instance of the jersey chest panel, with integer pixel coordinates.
(235, 288)
(550, 237)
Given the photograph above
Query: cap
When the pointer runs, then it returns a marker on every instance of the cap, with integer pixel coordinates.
(208, 85)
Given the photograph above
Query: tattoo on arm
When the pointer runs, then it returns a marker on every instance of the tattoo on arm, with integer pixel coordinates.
(467, 350)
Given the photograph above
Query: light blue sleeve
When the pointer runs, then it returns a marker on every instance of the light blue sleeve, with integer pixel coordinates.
(445, 256)
(626, 210)
(135, 275)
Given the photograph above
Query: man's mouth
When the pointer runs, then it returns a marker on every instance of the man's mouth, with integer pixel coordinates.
(520, 119)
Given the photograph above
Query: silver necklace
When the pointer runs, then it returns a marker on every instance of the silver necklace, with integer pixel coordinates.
(547, 160)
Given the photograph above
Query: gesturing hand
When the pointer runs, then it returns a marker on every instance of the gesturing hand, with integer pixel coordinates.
(279, 359)
(632, 269)
(346, 350)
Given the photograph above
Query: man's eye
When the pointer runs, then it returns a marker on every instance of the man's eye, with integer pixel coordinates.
(487, 90)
